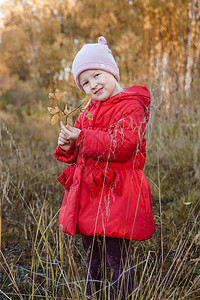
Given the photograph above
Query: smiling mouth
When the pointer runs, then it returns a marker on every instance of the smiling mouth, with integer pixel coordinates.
(98, 90)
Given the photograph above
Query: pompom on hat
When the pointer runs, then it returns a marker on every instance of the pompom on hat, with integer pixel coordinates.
(95, 56)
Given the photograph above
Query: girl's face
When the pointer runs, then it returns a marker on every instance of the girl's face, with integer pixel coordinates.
(99, 85)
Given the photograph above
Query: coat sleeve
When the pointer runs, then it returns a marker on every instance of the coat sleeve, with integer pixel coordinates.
(70, 155)
(120, 142)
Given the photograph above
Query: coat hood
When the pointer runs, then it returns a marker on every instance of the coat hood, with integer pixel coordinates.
(143, 96)
(139, 93)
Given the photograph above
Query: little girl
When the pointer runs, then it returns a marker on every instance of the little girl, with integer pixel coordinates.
(107, 198)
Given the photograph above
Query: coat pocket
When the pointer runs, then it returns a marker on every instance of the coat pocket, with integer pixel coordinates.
(99, 177)
(66, 178)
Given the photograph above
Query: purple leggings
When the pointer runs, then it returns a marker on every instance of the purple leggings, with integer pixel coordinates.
(116, 252)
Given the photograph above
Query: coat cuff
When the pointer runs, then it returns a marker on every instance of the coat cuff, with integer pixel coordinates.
(62, 155)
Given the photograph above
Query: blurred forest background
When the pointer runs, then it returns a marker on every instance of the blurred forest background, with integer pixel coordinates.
(156, 43)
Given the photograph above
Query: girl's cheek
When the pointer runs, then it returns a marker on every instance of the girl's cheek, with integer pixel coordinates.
(87, 90)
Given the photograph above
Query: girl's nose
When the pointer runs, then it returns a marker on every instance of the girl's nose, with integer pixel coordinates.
(93, 84)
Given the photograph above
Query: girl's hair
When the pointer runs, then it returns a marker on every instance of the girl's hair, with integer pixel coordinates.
(94, 56)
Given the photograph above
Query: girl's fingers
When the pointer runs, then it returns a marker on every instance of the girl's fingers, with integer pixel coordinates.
(61, 124)
(65, 132)
(70, 132)
(63, 142)
(68, 128)
(63, 127)
(62, 139)
(63, 135)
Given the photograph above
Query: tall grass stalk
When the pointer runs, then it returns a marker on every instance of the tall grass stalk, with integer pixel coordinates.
(11, 276)
(0, 222)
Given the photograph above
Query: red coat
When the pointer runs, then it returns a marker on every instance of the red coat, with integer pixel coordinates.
(106, 191)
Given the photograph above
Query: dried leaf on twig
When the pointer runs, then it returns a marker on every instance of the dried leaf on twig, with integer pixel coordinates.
(53, 110)
(63, 113)
(66, 110)
(89, 115)
(54, 119)
(70, 120)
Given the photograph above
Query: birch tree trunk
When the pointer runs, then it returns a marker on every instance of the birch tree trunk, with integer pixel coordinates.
(159, 57)
(188, 77)
(196, 60)
(183, 48)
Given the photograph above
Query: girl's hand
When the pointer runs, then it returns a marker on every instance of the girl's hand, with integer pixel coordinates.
(71, 133)
(67, 136)
(63, 141)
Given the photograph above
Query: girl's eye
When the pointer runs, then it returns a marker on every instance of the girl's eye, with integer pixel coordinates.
(85, 83)
(97, 75)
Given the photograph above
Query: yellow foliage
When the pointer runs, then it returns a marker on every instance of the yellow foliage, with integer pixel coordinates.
(66, 109)
(54, 119)
(70, 120)
(89, 115)
(53, 110)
